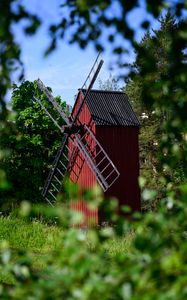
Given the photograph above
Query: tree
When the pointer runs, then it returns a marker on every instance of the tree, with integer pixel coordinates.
(33, 141)
(111, 84)
(163, 91)
(154, 118)
(11, 13)
(86, 22)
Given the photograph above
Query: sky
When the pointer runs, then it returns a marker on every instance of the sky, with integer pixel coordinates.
(65, 70)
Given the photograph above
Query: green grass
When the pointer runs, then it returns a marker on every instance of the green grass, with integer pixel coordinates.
(40, 238)
(120, 245)
(34, 236)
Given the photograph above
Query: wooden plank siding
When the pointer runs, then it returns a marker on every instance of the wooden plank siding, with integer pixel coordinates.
(86, 179)
(121, 144)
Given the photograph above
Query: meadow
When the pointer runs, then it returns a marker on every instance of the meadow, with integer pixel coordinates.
(39, 239)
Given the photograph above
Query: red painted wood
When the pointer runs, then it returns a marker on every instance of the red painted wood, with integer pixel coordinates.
(121, 144)
(86, 179)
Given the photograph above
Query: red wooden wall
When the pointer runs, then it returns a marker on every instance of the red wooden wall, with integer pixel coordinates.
(86, 179)
(121, 144)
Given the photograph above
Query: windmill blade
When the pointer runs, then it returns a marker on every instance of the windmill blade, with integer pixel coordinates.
(76, 164)
(50, 97)
(48, 114)
(92, 71)
(53, 184)
(91, 79)
(97, 159)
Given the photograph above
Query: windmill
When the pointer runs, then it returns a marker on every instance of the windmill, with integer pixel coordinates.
(77, 139)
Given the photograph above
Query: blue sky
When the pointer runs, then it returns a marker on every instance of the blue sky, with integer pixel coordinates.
(66, 68)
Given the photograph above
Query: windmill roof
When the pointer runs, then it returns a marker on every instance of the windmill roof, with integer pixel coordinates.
(111, 108)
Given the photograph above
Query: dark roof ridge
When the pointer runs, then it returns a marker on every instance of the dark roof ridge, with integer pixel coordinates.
(103, 91)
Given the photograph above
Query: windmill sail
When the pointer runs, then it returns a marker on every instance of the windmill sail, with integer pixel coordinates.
(49, 114)
(50, 97)
(59, 169)
(97, 159)
(91, 78)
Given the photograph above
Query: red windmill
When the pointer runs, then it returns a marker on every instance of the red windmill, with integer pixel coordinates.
(100, 144)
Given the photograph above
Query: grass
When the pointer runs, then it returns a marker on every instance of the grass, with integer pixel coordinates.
(120, 245)
(34, 236)
(39, 239)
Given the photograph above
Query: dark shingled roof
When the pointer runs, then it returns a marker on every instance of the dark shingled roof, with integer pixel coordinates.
(111, 108)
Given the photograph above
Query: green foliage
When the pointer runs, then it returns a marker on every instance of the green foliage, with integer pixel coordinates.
(153, 63)
(89, 20)
(34, 141)
(111, 84)
(40, 239)
(11, 13)
(84, 22)
(35, 237)
(163, 90)
(82, 268)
